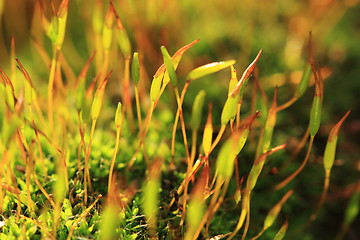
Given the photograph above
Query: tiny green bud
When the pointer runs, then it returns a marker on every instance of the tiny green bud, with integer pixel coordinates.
(96, 106)
(169, 66)
(229, 110)
(353, 207)
(269, 126)
(123, 38)
(274, 212)
(315, 115)
(107, 29)
(98, 98)
(80, 95)
(118, 116)
(208, 69)
(258, 166)
(197, 110)
(124, 43)
(155, 88)
(231, 148)
(282, 231)
(330, 149)
(135, 68)
(62, 28)
(208, 132)
(304, 82)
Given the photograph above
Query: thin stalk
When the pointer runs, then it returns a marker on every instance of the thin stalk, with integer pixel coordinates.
(217, 205)
(79, 157)
(188, 173)
(237, 177)
(27, 174)
(147, 121)
(68, 72)
(32, 161)
(82, 140)
(294, 174)
(126, 95)
(65, 171)
(247, 223)
(86, 170)
(208, 212)
(243, 215)
(207, 169)
(28, 195)
(183, 129)
(118, 132)
(322, 198)
(218, 137)
(186, 150)
(43, 190)
(39, 112)
(58, 78)
(38, 142)
(258, 147)
(214, 178)
(142, 140)
(259, 234)
(50, 91)
(12, 178)
(287, 104)
(176, 123)
(40, 226)
(298, 148)
(238, 114)
(180, 189)
(193, 147)
(3, 160)
(86, 211)
(232, 125)
(138, 112)
(12, 63)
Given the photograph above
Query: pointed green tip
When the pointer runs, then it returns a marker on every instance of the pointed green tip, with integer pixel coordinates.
(209, 69)
(135, 68)
(169, 66)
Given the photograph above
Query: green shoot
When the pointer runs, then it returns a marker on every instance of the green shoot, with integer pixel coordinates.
(118, 122)
(282, 231)
(329, 158)
(95, 111)
(273, 213)
(314, 124)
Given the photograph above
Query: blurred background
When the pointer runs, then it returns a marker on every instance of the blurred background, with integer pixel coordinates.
(227, 30)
